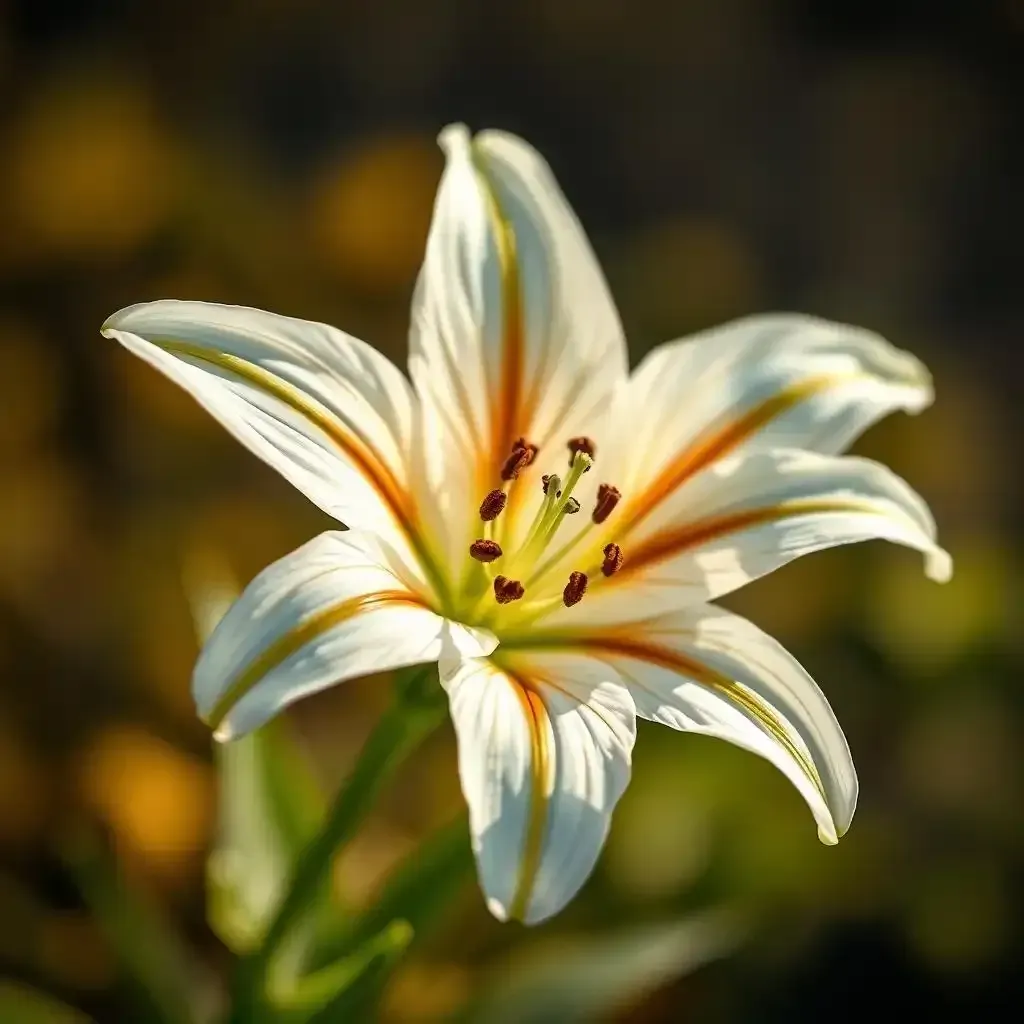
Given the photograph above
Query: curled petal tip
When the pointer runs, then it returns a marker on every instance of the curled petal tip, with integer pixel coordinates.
(224, 733)
(939, 565)
(110, 325)
(829, 837)
(454, 137)
(921, 379)
(115, 320)
(221, 731)
(497, 909)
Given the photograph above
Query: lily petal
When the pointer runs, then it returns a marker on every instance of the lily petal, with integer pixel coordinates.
(326, 410)
(545, 741)
(514, 330)
(339, 607)
(745, 517)
(759, 383)
(708, 671)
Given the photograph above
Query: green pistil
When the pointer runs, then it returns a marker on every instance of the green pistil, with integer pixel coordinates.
(554, 512)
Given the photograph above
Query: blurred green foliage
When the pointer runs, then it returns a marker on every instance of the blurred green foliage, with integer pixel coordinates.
(727, 156)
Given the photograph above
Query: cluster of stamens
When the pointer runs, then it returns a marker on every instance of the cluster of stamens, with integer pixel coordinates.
(558, 502)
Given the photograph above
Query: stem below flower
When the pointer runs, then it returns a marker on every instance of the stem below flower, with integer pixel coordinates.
(414, 715)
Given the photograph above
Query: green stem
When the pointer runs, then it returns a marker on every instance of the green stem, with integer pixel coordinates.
(400, 730)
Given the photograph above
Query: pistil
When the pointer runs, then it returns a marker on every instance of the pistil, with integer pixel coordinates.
(522, 566)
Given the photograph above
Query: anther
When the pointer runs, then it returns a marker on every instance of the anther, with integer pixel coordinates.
(515, 464)
(520, 444)
(612, 559)
(574, 589)
(581, 444)
(485, 550)
(491, 506)
(607, 498)
(572, 506)
(522, 455)
(506, 591)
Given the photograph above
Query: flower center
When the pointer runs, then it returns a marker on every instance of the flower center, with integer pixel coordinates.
(519, 576)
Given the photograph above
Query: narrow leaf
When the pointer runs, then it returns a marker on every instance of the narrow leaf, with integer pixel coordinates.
(269, 806)
(419, 890)
(349, 988)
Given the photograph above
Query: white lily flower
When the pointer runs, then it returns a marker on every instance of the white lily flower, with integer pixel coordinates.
(716, 461)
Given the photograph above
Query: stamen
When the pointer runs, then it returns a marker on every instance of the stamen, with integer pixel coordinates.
(574, 589)
(491, 507)
(522, 445)
(523, 453)
(581, 444)
(545, 481)
(572, 506)
(607, 498)
(506, 591)
(485, 550)
(613, 559)
(516, 463)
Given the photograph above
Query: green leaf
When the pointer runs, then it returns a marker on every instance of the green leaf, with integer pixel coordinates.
(419, 890)
(347, 989)
(586, 978)
(399, 731)
(269, 805)
(30, 1006)
(269, 808)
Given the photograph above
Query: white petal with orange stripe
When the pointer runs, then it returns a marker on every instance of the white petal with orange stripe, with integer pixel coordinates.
(745, 517)
(514, 331)
(708, 671)
(545, 739)
(341, 606)
(326, 410)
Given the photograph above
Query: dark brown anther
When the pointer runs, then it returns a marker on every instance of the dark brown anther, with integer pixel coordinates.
(522, 445)
(544, 481)
(607, 498)
(485, 550)
(572, 506)
(523, 454)
(581, 444)
(515, 464)
(491, 506)
(506, 591)
(612, 559)
(574, 589)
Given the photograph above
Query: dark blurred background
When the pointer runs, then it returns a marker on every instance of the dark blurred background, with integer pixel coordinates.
(859, 159)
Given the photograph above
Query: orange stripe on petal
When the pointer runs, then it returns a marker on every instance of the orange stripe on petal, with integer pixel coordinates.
(614, 644)
(669, 543)
(715, 445)
(372, 468)
(507, 422)
(536, 714)
(285, 646)
(506, 415)
(394, 495)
